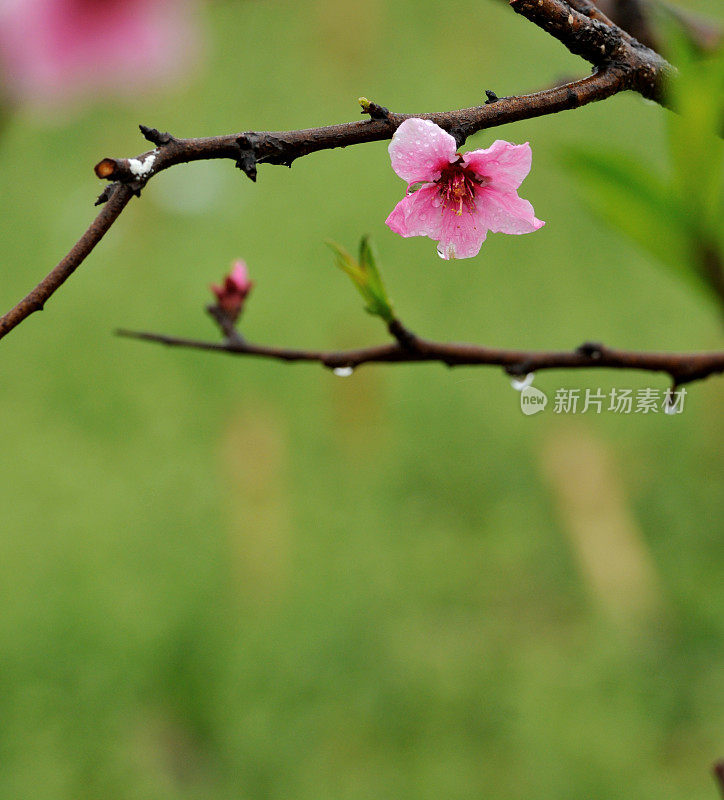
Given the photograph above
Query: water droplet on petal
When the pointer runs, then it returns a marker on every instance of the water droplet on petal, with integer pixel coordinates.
(343, 372)
(519, 384)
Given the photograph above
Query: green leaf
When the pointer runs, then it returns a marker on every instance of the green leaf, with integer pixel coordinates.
(643, 207)
(366, 277)
(694, 132)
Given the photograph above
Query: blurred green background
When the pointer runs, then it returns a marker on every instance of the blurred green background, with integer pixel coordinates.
(225, 578)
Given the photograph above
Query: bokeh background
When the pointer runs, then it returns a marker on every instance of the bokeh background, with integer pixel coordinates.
(225, 578)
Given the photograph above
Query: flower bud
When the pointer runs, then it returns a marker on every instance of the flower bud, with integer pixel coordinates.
(234, 290)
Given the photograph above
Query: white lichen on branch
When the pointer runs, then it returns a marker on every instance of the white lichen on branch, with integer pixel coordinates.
(142, 169)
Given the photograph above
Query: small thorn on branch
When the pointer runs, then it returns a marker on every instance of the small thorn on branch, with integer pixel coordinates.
(247, 159)
(592, 350)
(492, 97)
(374, 110)
(155, 136)
(105, 195)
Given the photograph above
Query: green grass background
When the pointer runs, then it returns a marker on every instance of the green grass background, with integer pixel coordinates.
(225, 578)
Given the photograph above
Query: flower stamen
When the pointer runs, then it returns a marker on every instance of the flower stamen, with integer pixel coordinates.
(457, 188)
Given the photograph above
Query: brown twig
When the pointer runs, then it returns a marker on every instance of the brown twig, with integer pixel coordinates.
(410, 348)
(283, 147)
(682, 367)
(620, 63)
(118, 198)
(589, 33)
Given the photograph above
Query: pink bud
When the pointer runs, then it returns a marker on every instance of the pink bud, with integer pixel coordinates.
(234, 290)
(239, 277)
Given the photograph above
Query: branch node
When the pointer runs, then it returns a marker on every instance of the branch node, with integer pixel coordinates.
(155, 136)
(247, 159)
(592, 350)
(492, 97)
(105, 195)
(458, 133)
(375, 110)
(406, 339)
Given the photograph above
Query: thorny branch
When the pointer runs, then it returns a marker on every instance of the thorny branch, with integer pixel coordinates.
(619, 62)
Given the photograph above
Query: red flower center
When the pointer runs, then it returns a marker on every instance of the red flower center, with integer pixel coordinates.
(457, 187)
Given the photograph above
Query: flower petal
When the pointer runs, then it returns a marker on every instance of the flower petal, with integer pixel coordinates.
(503, 164)
(239, 275)
(505, 212)
(418, 214)
(461, 235)
(53, 51)
(420, 150)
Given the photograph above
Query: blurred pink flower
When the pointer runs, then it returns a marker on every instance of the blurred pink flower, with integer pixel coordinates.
(463, 195)
(235, 289)
(52, 51)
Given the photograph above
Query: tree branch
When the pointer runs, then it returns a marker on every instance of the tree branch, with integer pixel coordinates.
(620, 63)
(589, 33)
(283, 147)
(118, 197)
(682, 367)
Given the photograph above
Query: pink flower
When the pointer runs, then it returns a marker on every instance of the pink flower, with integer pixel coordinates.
(235, 289)
(54, 50)
(463, 195)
